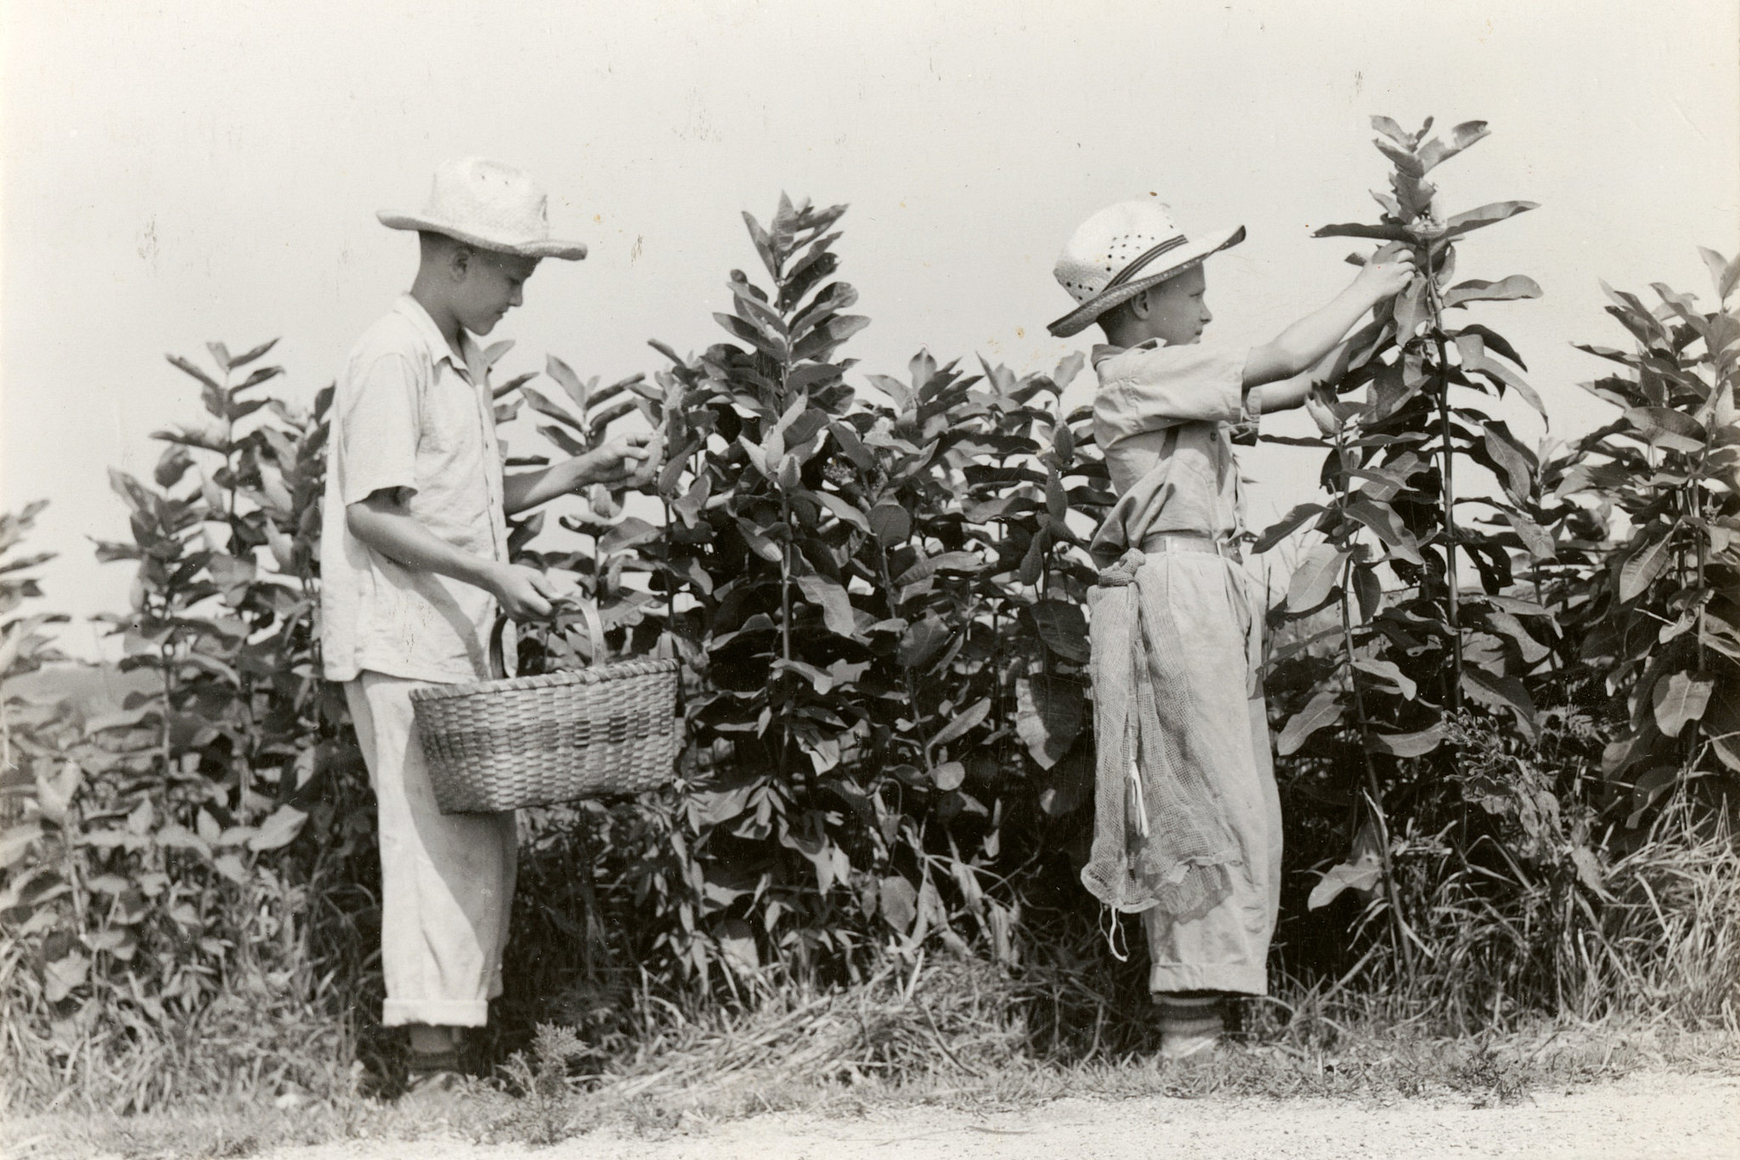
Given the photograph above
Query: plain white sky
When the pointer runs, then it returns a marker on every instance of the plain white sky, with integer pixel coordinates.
(178, 171)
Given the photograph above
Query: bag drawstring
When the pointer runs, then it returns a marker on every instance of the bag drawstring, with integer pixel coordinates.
(1113, 931)
(1136, 811)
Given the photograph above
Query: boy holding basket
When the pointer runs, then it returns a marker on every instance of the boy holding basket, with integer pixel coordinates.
(414, 568)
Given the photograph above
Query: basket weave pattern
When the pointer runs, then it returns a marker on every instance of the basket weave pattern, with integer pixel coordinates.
(602, 731)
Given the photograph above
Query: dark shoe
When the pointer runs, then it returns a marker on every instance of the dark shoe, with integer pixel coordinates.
(433, 1080)
(1191, 1025)
(1178, 1046)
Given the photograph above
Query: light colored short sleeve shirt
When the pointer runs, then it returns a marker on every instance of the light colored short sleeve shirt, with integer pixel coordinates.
(1171, 407)
(407, 414)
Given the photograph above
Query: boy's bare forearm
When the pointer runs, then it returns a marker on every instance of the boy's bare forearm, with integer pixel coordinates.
(528, 489)
(393, 532)
(382, 522)
(1306, 342)
(613, 463)
(1385, 274)
(1282, 395)
(1290, 393)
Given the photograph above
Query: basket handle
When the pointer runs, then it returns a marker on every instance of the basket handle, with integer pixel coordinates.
(594, 629)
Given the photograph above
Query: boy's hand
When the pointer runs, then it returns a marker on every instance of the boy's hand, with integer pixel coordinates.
(616, 462)
(525, 593)
(1387, 272)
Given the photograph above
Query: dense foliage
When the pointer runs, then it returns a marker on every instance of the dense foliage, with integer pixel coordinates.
(1444, 734)
(1503, 685)
(884, 598)
(1657, 613)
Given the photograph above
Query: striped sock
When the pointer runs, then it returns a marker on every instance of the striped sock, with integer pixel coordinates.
(1189, 1021)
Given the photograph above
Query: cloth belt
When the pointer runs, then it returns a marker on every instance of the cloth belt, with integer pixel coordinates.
(1190, 542)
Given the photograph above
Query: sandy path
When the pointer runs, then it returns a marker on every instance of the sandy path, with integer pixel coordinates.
(1641, 1116)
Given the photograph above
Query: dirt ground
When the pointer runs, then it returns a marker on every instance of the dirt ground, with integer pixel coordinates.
(1641, 1116)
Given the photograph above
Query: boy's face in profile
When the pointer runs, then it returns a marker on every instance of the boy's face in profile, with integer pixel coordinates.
(490, 288)
(1177, 310)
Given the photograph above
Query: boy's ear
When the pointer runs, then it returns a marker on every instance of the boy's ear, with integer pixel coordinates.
(459, 260)
(1139, 306)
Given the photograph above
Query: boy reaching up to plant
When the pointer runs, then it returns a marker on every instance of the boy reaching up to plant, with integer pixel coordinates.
(414, 566)
(1187, 820)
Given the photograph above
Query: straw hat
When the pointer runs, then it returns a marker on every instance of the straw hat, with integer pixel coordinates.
(1123, 250)
(490, 205)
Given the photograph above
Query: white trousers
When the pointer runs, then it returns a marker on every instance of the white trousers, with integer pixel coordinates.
(447, 880)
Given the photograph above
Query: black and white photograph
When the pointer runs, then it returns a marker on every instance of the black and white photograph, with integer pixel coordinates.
(989, 580)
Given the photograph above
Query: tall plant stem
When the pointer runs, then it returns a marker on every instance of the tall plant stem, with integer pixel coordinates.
(1695, 501)
(784, 617)
(1452, 604)
(5, 737)
(1703, 543)
(671, 604)
(1374, 795)
(238, 548)
(167, 652)
(779, 284)
(785, 581)
(894, 610)
(1541, 599)
(997, 690)
(229, 469)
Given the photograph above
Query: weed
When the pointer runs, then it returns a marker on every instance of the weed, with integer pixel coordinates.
(545, 1109)
(1490, 1077)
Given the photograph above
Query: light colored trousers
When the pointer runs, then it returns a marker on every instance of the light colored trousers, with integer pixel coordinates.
(1217, 658)
(447, 880)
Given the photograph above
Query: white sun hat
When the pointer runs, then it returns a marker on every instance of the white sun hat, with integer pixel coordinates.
(490, 205)
(1120, 252)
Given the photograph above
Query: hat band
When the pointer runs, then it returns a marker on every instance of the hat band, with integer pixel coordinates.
(1134, 267)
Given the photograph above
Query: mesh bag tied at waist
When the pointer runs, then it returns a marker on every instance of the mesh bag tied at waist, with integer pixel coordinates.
(1159, 837)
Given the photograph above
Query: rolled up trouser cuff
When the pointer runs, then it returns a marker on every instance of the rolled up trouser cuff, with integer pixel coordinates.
(435, 1012)
(1235, 978)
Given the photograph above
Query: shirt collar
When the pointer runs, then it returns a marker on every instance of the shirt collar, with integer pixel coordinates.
(414, 313)
(1103, 351)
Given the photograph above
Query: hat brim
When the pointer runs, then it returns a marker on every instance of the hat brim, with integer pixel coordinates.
(541, 248)
(1180, 260)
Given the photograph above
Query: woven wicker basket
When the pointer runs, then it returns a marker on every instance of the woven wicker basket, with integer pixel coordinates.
(603, 731)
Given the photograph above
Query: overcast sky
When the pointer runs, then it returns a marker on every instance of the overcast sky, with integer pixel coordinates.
(180, 171)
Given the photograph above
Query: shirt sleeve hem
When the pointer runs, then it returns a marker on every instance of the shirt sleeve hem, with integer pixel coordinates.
(357, 490)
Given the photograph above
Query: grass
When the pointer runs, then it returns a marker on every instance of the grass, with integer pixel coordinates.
(1661, 941)
(949, 1042)
(949, 1033)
